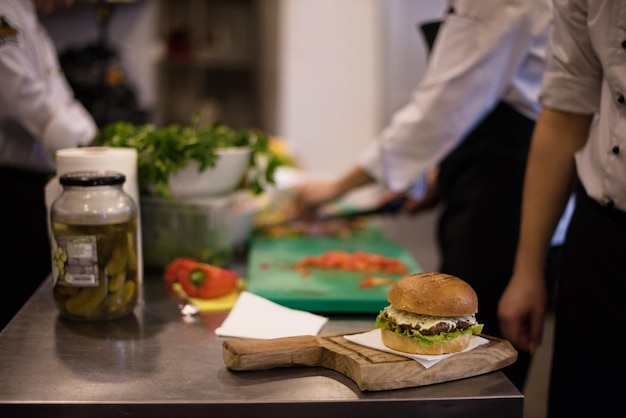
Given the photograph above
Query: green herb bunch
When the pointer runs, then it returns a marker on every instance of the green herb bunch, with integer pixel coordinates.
(163, 151)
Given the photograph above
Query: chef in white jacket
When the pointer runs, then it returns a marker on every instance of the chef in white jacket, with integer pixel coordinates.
(468, 124)
(38, 115)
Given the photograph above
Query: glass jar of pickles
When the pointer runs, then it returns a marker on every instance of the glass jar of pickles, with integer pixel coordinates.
(94, 250)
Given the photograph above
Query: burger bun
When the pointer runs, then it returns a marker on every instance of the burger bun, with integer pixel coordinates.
(435, 294)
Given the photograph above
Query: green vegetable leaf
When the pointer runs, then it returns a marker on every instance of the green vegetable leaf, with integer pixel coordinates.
(163, 151)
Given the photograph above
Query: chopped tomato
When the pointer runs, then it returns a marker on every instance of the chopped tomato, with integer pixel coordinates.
(370, 282)
(356, 261)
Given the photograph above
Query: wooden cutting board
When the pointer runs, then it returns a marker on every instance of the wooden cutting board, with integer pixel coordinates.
(370, 369)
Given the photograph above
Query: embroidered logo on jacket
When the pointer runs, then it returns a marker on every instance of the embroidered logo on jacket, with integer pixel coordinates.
(7, 32)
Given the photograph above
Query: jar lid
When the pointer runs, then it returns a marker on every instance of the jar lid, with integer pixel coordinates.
(92, 178)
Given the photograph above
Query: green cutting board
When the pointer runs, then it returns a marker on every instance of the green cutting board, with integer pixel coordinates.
(271, 274)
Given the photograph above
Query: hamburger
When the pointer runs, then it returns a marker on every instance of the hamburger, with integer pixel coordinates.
(430, 313)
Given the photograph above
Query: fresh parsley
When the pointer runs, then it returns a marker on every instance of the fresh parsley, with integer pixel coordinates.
(163, 151)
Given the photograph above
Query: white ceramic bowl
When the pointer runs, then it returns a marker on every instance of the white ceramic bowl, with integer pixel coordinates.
(223, 178)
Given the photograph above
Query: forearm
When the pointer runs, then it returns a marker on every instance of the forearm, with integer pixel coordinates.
(354, 178)
(550, 174)
(309, 196)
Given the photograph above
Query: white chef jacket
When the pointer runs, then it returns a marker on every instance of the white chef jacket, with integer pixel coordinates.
(586, 74)
(487, 51)
(38, 113)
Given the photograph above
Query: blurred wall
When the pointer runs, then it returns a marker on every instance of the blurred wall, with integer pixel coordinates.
(329, 79)
(344, 67)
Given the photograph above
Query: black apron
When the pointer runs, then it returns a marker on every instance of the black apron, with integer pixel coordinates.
(26, 257)
(588, 363)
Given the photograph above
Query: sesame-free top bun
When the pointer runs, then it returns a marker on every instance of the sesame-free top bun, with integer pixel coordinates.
(435, 294)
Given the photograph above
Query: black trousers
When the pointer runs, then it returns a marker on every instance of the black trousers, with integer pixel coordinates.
(481, 193)
(25, 257)
(588, 363)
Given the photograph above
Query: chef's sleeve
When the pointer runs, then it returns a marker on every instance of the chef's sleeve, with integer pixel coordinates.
(476, 54)
(48, 111)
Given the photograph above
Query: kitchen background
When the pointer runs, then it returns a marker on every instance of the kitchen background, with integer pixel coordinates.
(321, 74)
(324, 75)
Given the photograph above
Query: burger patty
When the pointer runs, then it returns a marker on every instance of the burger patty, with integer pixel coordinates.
(438, 328)
(433, 326)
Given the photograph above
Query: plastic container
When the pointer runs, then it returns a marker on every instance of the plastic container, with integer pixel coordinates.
(94, 250)
(198, 228)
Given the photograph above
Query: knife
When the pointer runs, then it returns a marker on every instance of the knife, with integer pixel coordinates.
(390, 207)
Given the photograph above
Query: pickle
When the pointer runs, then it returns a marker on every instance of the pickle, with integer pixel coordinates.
(62, 293)
(87, 300)
(62, 229)
(117, 281)
(59, 300)
(118, 260)
(105, 248)
(132, 250)
(119, 301)
(66, 290)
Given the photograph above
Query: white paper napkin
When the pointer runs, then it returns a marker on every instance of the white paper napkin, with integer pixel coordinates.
(372, 339)
(256, 317)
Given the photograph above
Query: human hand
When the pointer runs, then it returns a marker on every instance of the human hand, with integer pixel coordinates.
(414, 204)
(308, 197)
(521, 311)
(428, 199)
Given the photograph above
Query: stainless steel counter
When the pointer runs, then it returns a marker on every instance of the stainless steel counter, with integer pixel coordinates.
(155, 364)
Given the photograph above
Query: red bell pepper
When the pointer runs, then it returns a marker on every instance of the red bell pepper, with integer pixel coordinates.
(171, 270)
(206, 281)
